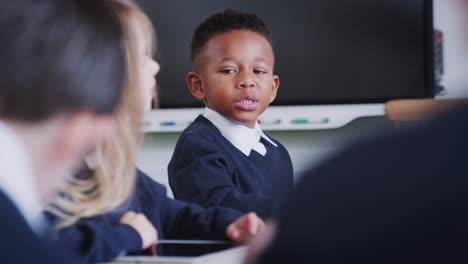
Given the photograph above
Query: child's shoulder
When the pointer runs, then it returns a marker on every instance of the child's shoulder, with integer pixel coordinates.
(147, 184)
(274, 140)
(201, 129)
(279, 147)
(201, 126)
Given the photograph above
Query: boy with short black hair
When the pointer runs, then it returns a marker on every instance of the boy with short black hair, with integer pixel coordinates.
(223, 158)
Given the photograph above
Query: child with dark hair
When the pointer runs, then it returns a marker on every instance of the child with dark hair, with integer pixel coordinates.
(62, 70)
(223, 158)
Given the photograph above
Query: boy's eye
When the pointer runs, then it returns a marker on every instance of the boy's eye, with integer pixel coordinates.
(259, 71)
(228, 71)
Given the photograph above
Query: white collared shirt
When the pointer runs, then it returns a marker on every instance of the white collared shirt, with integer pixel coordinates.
(17, 180)
(243, 138)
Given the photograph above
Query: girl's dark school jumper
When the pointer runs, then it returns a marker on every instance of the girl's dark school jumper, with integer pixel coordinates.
(102, 238)
(207, 169)
(20, 244)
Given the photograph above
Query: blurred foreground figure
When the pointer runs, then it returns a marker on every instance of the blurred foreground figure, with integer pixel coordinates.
(401, 199)
(62, 73)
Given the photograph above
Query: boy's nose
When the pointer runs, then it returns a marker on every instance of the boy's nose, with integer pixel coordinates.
(245, 81)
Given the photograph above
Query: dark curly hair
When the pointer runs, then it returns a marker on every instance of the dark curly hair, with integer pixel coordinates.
(223, 22)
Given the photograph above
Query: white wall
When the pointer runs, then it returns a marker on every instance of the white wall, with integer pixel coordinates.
(449, 17)
(308, 148)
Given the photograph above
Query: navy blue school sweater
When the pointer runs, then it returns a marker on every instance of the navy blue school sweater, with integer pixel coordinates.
(102, 238)
(396, 199)
(19, 243)
(207, 169)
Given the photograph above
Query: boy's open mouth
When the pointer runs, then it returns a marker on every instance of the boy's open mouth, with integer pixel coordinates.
(247, 103)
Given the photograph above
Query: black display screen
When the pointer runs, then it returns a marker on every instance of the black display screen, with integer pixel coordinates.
(327, 51)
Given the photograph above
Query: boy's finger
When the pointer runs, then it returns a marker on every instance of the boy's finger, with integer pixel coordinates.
(251, 223)
(253, 228)
(233, 233)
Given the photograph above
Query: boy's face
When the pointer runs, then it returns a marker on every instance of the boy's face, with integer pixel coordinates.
(235, 76)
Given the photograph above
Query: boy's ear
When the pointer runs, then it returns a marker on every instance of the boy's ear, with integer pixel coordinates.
(80, 133)
(274, 86)
(195, 85)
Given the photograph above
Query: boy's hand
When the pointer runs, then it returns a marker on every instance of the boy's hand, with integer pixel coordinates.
(146, 230)
(260, 242)
(244, 228)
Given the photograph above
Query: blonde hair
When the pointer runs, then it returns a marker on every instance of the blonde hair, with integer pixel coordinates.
(110, 177)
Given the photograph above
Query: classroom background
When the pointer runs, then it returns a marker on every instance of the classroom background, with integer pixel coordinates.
(309, 147)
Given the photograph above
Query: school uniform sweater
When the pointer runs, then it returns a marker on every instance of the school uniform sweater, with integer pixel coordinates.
(20, 244)
(22, 222)
(207, 169)
(102, 238)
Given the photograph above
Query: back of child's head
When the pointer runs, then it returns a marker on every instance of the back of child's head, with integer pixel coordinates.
(223, 22)
(59, 56)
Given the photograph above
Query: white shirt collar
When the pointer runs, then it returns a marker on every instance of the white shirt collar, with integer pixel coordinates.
(17, 180)
(242, 137)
